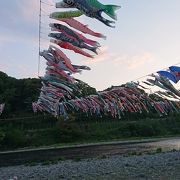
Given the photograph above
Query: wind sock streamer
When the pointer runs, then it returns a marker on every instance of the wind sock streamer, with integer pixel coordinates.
(94, 9)
(61, 93)
(62, 57)
(72, 34)
(63, 37)
(69, 46)
(168, 75)
(81, 27)
(66, 14)
(176, 71)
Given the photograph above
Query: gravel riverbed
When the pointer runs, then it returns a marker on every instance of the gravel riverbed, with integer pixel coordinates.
(161, 166)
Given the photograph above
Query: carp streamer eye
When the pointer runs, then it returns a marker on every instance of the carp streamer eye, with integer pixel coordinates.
(69, 2)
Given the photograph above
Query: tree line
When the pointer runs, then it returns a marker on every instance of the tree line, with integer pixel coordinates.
(18, 94)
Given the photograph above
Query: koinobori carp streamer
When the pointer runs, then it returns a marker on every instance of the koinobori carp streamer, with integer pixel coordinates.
(60, 92)
(93, 9)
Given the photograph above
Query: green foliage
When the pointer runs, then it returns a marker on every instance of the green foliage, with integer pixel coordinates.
(77, 159)
(15, 138)
(18, 95)
(18, 134)
(85, 89)
(45, 130)
(145, 128)
(2, 135)
(159, 150)
(67, 132)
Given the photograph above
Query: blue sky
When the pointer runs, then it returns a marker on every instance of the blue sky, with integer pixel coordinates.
(146, 39)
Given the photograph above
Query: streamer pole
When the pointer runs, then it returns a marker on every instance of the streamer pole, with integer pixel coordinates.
(39, 58)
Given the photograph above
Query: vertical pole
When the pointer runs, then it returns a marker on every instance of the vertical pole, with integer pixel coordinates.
(39, 58)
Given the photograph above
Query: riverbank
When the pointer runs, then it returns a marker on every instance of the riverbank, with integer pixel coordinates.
(84, 151)
(155, 166)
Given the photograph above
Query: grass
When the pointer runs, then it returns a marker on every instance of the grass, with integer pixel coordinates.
(77, 159)
(159, 150)
(84, 132)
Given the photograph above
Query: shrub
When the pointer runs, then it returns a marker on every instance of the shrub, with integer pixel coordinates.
(67, 132)
(2, 135)
(15, 138)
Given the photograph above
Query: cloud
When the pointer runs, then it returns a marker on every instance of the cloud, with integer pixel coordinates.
(5, 39)
(29, 10)
(16, 13)
(12, 69)
(19, 22)
(129, 61)
(103, 56)
(135, 61)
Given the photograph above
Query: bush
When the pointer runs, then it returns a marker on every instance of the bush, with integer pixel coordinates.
(2, 135)
(145, 128)
(15, 138)
(67, 132)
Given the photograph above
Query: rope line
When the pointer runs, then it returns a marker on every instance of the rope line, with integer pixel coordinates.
(155, 72)
(47, 3)
(45, 12)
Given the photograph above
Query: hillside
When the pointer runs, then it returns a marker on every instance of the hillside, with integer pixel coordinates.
(18, 94)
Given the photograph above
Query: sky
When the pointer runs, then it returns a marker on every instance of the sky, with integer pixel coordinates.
(146, 39)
